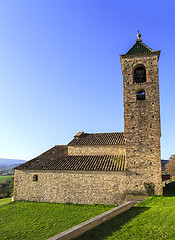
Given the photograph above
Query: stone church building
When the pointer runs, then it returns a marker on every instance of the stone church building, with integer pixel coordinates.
(104, 168)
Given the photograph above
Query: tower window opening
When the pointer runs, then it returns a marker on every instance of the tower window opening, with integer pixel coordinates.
(140, 75)
(140, 95)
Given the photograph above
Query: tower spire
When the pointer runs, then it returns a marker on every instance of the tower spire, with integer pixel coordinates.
(138, 37)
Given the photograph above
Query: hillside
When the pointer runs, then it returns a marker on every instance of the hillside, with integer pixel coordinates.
(10, 163)
(163, 165)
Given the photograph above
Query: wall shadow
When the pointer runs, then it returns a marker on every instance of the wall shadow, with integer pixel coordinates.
(112, 225)
(169, 190)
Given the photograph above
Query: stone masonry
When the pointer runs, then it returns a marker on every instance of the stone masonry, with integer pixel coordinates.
(142, 118)
(97, 150)
(71, 187)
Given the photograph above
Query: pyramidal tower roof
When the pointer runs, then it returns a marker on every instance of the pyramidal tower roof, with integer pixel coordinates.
(139, 47)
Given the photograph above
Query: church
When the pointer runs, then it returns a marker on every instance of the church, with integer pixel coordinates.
(105, 168)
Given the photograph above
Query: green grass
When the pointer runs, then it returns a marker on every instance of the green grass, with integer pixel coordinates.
(31, 220)
(5, 200)
(151, 219)
(4, 178)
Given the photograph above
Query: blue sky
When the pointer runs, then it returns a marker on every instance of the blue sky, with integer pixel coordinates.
(60, 69)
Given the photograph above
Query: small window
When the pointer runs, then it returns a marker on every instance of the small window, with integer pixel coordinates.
(140, 95)
(140, 75)
(35, 178)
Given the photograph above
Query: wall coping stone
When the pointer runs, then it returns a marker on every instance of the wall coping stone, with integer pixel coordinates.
(91, 223)
(75, 172)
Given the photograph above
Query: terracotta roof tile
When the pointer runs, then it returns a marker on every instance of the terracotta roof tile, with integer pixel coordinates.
(98, 139)
(53, 160)
(58, 150)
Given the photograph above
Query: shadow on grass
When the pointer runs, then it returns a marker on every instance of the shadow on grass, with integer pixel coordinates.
(112, 225)
(169, 190)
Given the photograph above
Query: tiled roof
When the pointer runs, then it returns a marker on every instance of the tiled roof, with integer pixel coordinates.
(58, 150)
(98, 139)
(75, 163)
(139, 47)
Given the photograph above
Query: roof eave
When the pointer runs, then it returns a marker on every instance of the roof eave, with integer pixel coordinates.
(90, 145)
(141, 54)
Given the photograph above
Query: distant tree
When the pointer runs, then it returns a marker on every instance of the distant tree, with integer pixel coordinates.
(6, 188)
(170, 166)
(11, 186)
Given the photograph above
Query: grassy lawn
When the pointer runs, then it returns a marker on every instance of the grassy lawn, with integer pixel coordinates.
(151, 219)
(4, 178)
(31, 220)
(5, 200)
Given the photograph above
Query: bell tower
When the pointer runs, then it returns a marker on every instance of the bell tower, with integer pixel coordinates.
(142, 116)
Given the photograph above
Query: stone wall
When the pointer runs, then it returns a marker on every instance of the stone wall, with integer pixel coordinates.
(97, 150)
(142, 119)
(79, 187)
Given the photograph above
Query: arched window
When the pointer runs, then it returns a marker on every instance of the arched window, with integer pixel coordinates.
(140, 95)
(140, 74)
(35, 178)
